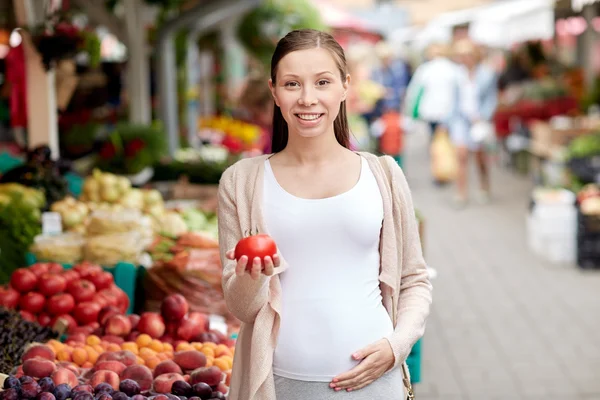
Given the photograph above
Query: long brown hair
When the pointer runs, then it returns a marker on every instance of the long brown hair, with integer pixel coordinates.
(303, 39)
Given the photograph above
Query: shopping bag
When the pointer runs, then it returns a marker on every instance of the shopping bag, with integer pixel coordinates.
(444, 162)
(482, 132)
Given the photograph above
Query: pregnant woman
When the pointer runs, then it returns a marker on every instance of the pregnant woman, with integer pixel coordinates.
(335, 313)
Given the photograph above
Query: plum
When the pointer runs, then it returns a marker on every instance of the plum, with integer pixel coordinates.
(10, 394)
(181, 388)
(218, 396)
(45, 396)
(83, 395)
(129, 387)
(47, 385)
(202, 390)
(103, 396)
(120, 396)
(104, 388)
(83, 388)
(139, 397)
(62, 391)
(30, 390)
(12, 382)
(26, 379)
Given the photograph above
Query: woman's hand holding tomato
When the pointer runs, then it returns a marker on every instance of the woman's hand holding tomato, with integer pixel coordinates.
(255, 254)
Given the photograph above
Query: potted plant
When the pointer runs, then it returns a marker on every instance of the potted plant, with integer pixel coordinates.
(133, 150)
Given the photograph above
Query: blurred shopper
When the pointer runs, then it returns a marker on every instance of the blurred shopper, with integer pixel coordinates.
(257, 101)
(393, 74)
(430, 94)
(475, 101)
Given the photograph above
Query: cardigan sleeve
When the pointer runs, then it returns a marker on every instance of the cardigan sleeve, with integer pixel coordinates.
(415, 296)
(243, 295)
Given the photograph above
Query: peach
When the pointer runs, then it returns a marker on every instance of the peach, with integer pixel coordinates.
(164, 382)
(209, 375)
(124, 356)
(70, 366)
(134, 319)
(64, 375)
(113, 339)
(139, 373)
(110, 377)
(114, 366)
(174, 307)
(38, 367)
(117, 325)
(152, 324)
(190, 360)
(39, 350)
(167, 367)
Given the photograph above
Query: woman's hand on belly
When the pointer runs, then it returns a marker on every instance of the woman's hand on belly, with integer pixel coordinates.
(375, 360)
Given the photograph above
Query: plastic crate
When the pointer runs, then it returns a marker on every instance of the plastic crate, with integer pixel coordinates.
(127, 277)
(588, 241)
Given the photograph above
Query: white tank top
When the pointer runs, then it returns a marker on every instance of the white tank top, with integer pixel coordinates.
(331, 300)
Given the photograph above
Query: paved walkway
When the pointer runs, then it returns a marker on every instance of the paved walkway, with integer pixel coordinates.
(504, 324)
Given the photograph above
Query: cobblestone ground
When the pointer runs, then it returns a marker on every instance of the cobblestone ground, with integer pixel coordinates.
(504, 324)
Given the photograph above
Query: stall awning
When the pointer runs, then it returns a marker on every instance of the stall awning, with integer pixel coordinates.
(509, 22)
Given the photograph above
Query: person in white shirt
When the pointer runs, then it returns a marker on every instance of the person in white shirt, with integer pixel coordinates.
(430, 94)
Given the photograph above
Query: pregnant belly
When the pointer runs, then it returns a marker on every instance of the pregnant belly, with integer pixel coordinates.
(316, 341)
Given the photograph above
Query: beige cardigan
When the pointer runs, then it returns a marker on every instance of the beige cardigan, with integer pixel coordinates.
(404, 280)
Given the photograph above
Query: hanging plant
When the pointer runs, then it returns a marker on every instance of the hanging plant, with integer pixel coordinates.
(261, 29)
(56, 39)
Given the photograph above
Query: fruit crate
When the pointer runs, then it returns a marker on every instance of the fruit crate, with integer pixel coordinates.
(588, 241)
(128, 277)
(414, 362)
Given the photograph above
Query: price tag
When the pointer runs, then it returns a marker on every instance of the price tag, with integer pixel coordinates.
(51, 223)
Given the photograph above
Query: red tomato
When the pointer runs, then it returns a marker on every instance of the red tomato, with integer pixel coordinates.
(62, 303)
(67, 319)
(85, 268)
(81, 290)
(51, 284)
(101, 280)
(39, 269)
(87, 312)
(27, 316)
(253, 246)
(55, 268)
(33, 302)
(23, 280)
(70, 275)
(9, 297)
(44, 319)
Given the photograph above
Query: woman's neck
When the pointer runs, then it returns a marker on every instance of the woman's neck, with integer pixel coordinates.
(315, 150)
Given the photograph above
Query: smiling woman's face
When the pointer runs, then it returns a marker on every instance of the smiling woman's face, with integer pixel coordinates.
(309, 90)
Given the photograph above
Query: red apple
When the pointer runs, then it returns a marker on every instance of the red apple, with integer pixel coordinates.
(55, 268)
(174, 307)
(151, 323)
(39, 269)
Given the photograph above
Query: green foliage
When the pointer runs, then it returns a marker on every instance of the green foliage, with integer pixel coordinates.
(132, 147)
(261, 29)
(19, 225)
